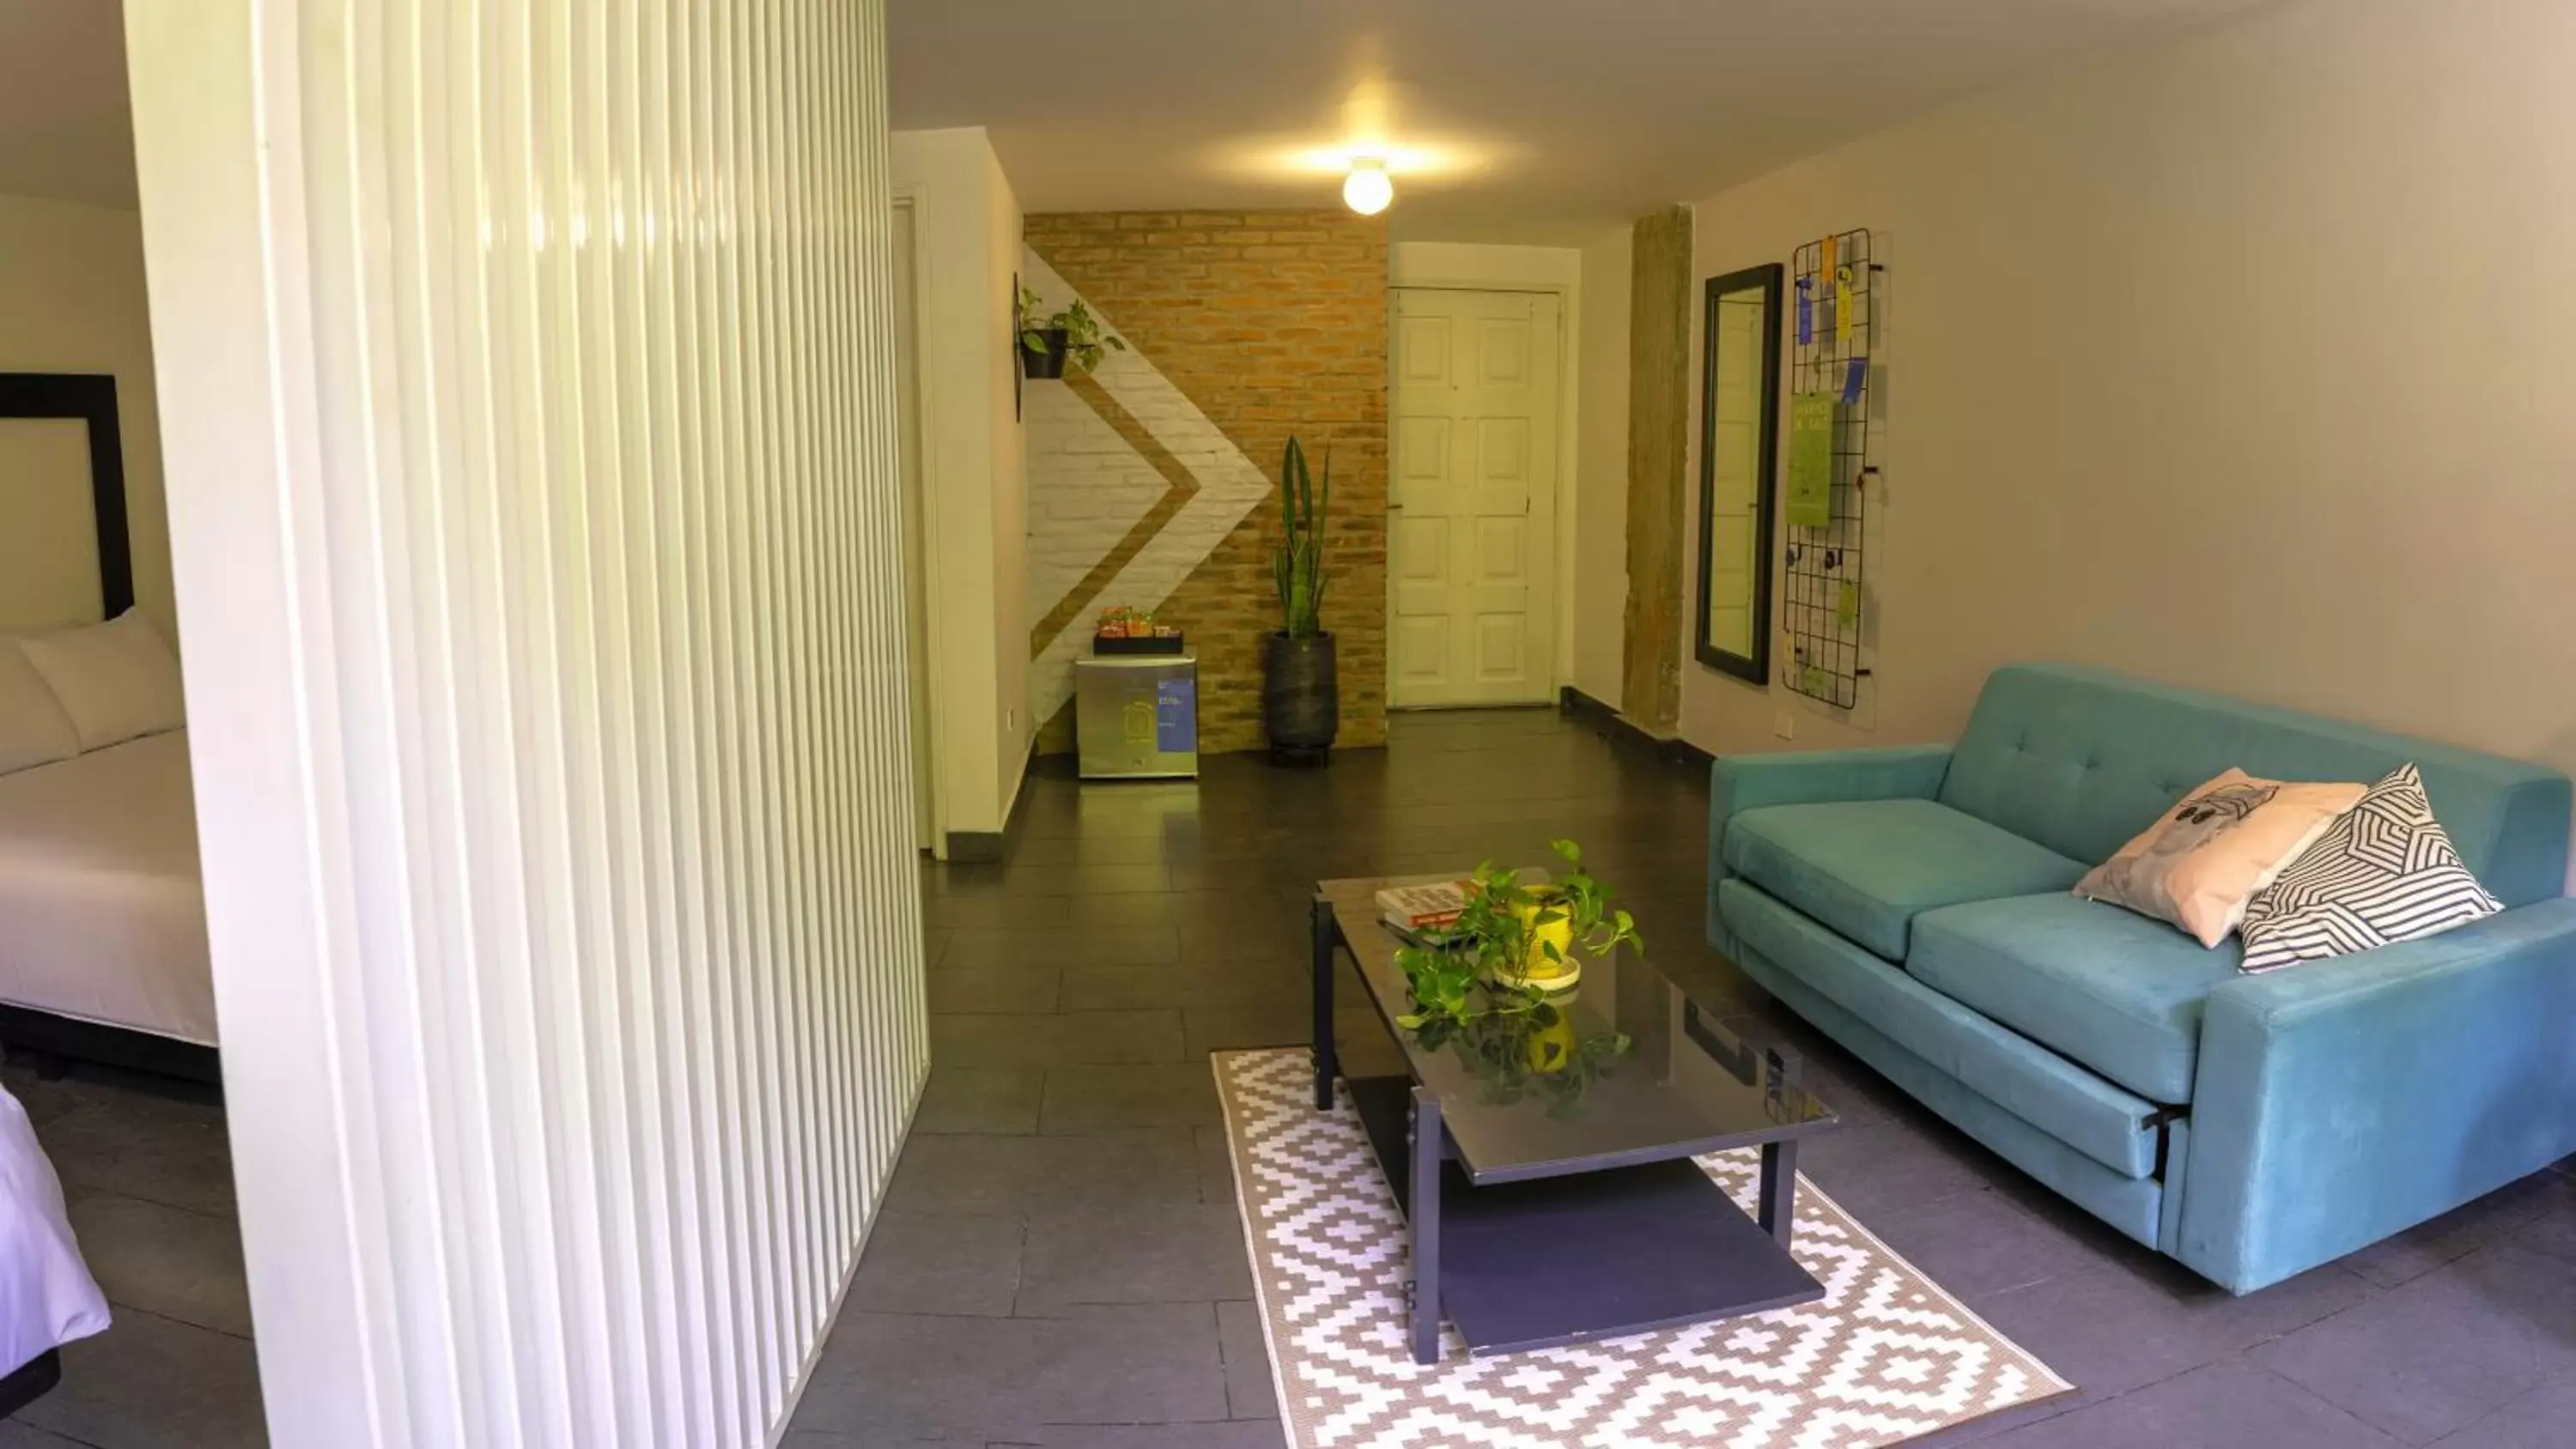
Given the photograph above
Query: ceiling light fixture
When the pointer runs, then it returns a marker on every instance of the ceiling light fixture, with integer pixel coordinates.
(1368, 188)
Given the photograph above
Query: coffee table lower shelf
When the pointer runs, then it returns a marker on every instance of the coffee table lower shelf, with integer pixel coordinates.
(1558, 1260)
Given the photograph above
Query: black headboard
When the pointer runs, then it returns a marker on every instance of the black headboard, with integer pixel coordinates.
(92, 399)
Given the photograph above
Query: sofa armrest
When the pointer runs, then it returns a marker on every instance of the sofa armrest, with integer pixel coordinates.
(2340, 1101)
(1737, 783)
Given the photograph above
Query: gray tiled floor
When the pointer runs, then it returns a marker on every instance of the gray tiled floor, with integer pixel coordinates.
(1059, 1262)
(148, 1179)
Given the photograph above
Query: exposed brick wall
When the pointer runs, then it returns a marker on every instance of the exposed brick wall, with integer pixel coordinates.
(1659, 410)
(1271, 323)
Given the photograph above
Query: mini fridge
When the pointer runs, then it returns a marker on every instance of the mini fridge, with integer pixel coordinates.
(1136, 716)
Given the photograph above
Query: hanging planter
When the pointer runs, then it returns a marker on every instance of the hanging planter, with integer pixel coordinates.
(1055, 343)
(1042, 352)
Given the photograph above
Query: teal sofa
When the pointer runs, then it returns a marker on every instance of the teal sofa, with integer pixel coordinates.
(1914, 904)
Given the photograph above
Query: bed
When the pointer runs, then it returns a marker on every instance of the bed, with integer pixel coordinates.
(102, 919)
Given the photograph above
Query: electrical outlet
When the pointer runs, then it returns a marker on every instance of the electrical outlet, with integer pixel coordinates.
(1785, 725)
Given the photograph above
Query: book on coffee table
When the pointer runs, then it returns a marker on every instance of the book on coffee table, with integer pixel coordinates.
(1420, 912)
(1422, 907)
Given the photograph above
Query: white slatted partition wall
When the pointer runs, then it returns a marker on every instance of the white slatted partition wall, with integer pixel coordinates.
(526, 370)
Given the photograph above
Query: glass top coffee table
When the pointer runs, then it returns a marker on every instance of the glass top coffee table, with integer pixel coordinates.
(1547, 1185)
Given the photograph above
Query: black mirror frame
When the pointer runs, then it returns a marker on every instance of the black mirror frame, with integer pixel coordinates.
(1754, 668)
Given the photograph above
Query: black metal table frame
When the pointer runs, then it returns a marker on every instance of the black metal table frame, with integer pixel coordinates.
(1427, 1146)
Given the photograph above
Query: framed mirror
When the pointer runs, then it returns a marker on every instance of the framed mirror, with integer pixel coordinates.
(1738, 449)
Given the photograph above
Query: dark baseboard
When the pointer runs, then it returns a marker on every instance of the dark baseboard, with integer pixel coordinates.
(974, 847)
(1570, 700)
(45, 1034)
(986, 847)
(1670, 748)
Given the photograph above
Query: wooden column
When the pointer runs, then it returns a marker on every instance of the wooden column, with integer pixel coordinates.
(1658, 417)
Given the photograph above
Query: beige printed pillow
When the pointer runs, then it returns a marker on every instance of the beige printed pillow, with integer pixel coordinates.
(2200, 864)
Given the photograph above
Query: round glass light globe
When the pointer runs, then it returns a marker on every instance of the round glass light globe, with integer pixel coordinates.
(1368, 188)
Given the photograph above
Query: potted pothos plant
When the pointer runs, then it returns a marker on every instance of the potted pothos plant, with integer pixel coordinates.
(1301, 705)
(1069, 338)
(1499, 985)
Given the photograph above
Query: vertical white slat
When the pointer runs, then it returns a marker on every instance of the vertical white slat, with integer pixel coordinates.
(727, 365)
(409, 86)
(895, 1079)
(542, 598)
(478, 330)
(850, 954)
(776, 657)
(690, 394)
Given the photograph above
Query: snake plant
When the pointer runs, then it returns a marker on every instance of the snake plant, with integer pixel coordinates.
(1298, 562)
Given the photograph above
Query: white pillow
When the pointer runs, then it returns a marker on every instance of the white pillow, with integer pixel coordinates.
(33, 728)
(118, 681)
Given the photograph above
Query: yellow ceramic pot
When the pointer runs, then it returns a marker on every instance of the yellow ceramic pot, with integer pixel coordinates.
(1550, 1049)
(1541, 971)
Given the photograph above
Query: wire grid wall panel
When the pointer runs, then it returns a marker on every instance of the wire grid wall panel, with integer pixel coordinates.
(550, 692)
(1826, 587)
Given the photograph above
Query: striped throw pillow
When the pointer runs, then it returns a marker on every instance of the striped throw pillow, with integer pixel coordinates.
(2384, 872)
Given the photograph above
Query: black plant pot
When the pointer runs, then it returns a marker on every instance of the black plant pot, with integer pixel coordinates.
(1301, 703)
(1049, 361)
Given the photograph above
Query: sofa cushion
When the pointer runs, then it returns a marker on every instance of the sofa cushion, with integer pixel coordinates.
(1865, 867)
(2072, 1103)
(2136, 1205)
(2099, 985)
(2080, 760)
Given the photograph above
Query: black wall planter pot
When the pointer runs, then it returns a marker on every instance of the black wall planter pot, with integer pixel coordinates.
(1048, 363)
(1301, 703)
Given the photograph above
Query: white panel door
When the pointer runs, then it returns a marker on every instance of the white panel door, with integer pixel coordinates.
(1471, 521)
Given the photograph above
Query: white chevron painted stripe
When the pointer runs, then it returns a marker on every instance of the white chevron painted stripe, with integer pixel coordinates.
(1230, 487)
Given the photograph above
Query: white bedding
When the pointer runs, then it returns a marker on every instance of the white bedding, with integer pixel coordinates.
(47, 1296)
(102, 914)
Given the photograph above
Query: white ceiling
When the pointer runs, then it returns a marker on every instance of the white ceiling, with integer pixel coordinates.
(1577, 115)
(65, 128)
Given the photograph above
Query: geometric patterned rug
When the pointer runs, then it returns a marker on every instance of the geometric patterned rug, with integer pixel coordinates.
(1885, 1356)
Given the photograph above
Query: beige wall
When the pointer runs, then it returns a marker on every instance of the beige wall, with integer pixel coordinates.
(1600, 514)
(2247, 362)
(72, 300)
(974, 480)
(995, 343)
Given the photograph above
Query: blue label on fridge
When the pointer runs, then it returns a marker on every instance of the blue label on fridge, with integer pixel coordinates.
(1176, 714)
